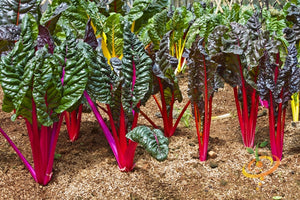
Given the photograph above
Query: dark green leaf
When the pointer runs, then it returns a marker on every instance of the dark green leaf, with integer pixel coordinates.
(46, 87)
(72, 56)
(136, 70)
(153, 141)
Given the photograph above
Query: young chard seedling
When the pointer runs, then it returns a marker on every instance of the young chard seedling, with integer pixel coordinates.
(251, 151)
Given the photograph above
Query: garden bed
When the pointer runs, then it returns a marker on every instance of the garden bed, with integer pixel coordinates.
(87, 169)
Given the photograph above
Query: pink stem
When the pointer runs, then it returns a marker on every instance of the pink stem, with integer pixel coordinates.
(26, 163)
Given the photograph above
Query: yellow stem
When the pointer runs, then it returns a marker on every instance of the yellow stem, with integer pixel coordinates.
(295, 107)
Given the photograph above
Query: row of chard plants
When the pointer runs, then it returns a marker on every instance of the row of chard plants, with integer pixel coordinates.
(113, 56)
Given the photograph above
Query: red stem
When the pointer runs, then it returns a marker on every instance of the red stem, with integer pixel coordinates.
(282, 132)
(272, 126)
(172, 131)
(252, 118)
(67, 119)
(53, 141)
(26, 163)
(245, 104)
(18, 14)
(238, 108)
(196, 111)
(113, 127)
(157, 102)
(36, 154)
(122, 131)
(164, 113)
(171, 111)
(148, 119)
(135, 117)
(103, 109)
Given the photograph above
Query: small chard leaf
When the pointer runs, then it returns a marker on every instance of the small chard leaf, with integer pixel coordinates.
(153, 141)
(264, 144)
(250, 150)
(203, 25)
(57, 156)
(179, 23)
(116, 6)
(137, 10)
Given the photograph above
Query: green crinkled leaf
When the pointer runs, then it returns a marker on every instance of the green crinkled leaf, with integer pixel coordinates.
(153, 141)
(157, 28)
(136, 70)
(113, 29)
(97, 17)
(143, 10)
(46, 87)
(16, 72)
(13, 11)
(75, 18)
(137, 10)
(116, 6)
(99, 82)
(73, 56)
(179, 23)
(53, 12)
(206, 19)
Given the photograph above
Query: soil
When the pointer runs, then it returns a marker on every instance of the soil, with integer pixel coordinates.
(87, 168)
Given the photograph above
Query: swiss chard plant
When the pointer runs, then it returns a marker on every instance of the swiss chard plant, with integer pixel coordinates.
(203, 82)
(31, 79)
(276, 84)
(238, 51)
(292, 35)
(166, 84)
(73, 118)
(123, 87)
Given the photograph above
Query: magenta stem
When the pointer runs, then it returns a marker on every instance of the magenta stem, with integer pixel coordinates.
(104, 127)
(26, 163)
